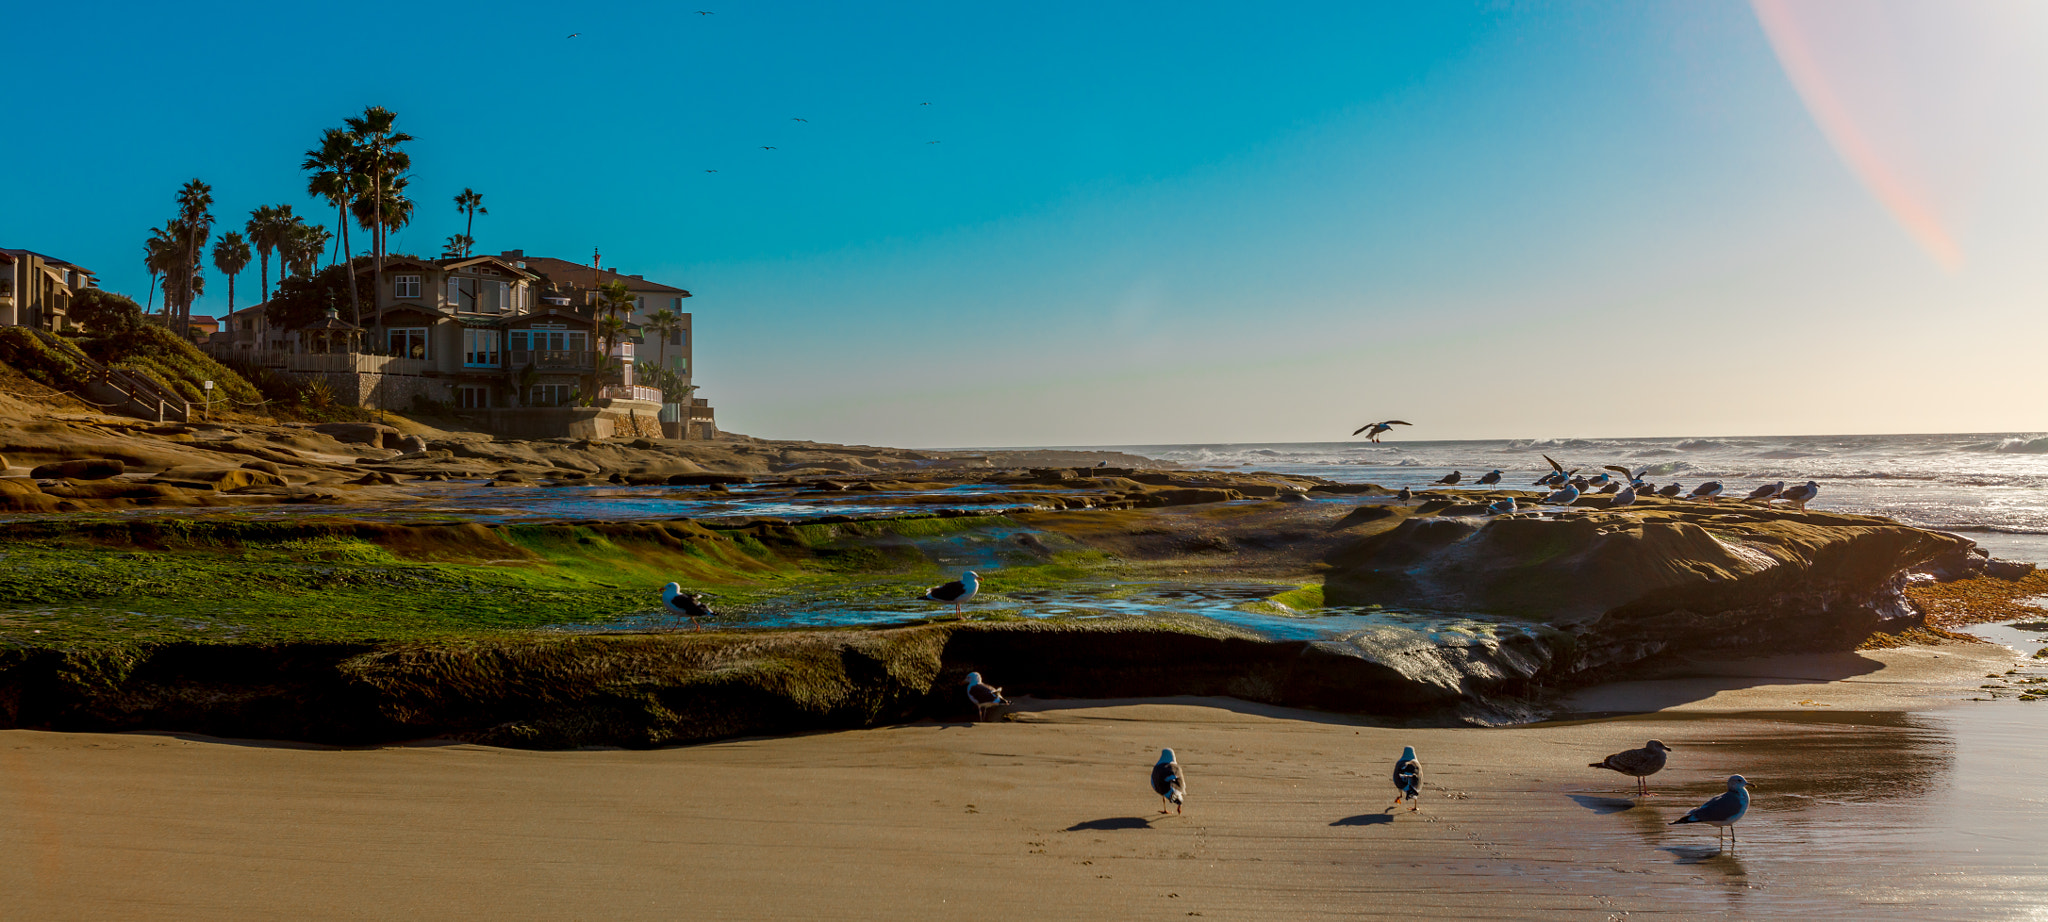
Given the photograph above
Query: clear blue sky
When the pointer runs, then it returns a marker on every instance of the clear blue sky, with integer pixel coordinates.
(1154, 223)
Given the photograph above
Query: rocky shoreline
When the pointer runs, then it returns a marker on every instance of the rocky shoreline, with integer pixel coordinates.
(335, 629)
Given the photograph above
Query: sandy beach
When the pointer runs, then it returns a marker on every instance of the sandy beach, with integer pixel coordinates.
(1881, 792)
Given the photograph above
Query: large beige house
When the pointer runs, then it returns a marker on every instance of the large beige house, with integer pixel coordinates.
(579, 283)
(36, 290)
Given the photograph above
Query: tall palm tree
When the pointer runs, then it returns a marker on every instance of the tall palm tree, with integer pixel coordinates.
(231, 256)
(195, 201)
(267, 228)
(377, 141)
(471, 203)
(455, 246)
(612, 298)
(304, 247)
(338, 177)
(663, 323)
(159, 256)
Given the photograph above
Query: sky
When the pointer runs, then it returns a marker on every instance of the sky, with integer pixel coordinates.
(1120, 224)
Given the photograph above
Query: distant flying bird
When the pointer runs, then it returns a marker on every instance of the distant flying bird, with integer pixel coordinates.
(1670, 489)
(1490, 479)
(1801, 495)
(983, 696)
(1501, 506)
(1450, 479)
(764, 147)
(799, 120)
(704, 12)
(924, 104)
(1639, 764)
(1168, 781)
(1565, 496)
(1377, 428)
(1765, 492)
(574, 34)
(1708, 490)
(931, 142)
(1408, 779)
(955, 592)
(687, 604)
(1724, 811)
(710, 171)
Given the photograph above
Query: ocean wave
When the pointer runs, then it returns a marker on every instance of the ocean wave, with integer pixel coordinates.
(1700, 445)
(2036, 445)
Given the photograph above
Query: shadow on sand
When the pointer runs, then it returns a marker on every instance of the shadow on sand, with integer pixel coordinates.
(1709, 856)
(1366, 819)
(1114, 822)
(1604, 805)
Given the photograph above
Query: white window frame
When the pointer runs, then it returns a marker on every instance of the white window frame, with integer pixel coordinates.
(425, 339)
(405, 286)
(504, 298)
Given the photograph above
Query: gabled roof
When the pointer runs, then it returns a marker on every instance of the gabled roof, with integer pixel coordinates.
(567, 274)
(14, 254)
(417, 308)
(551, 315)
(466, 262)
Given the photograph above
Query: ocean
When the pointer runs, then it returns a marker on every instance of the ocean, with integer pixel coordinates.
(1990, 488)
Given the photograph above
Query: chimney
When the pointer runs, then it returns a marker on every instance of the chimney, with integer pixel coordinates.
(512, 254)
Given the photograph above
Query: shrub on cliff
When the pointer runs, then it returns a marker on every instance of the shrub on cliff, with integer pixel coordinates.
(105, 312)
(61, 366)
(172, 361)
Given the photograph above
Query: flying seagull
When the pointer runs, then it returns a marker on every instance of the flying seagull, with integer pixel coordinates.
(1168, 781)
(687, 604)
(800, 120)
(765, 147)
(1637, 763)
(984, 697)
(1450, 479)
(956, 592)
(710, 171)
(1765, 492)
(1801, 495)
(705, 12)
(1408, 780)
(1708, 490)
(1490, 479)
(1378, 428)
(931, 142)
(1724, 811)
(574, 34)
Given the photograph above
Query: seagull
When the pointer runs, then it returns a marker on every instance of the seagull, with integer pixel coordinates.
(1378, 428)
(1637, 763)
(1801, 495)
(1670, 489)
(931, 142)
(767, 148)
(1490, 479)
(1501, 506)
(1600, 480)
(1624, 498)
(1708, 490)
(956, 592)
(705, 12)
(983, 696)
(1408, 779)
(800, 120)
(1724, 811)
(1563, 497)
(1582, 483)
(1612, 486)
(1765, 492)
(1168, 781)
(687, 604)
(710, 171)
(574, 34)
(924, 104)
(1405, 494)
(1450, 479)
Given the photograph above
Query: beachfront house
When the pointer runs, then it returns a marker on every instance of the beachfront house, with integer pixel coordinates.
(36, 290)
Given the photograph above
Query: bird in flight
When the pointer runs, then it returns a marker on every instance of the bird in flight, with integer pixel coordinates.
(765, 147)
(1378, 428)
(799, 120)
(574, 34)
(924, 104)
(705, 12)
(931, 142)
(710, 171)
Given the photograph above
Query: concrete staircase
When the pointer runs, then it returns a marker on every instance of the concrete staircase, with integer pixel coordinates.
(123, 391)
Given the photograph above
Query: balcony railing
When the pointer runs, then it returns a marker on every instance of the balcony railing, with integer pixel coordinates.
(630, 392)
(549, 360)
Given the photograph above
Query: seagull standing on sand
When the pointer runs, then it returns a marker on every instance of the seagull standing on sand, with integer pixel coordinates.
(1724, 811)
(1168, 781)
(1450, 479)
(1765, 492)
(687, 604)
(1637, 763)
(1378, 428)
(984, 697)
(1408, 780)
(1801, 495)
(1491, 478)
(1708, 490)
(956, 592)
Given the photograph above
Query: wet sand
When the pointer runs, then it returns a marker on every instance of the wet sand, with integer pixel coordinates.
(1882, 794)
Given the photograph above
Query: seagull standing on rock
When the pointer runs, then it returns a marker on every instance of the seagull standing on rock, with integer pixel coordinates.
(1408, 780)
(1565, 496)
(1450, 479)
(1626, 497)
(1490, 479)
(985, 697)
(1637, 763)
(1765, 492)
(1708, 490)
(956, 592)
(1501, 506)
(1801, 495)
(1670, 489)
(1168, 781)
(1724, 811)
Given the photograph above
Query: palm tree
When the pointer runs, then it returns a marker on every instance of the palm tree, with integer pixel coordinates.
(303, 249)
(231, 256)
(195, 198)
(267, 228)
(377, 143)
(336, 166)
(159, 256)
(456, 245)
(470, 202)
(663, 323)
(612, 297)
